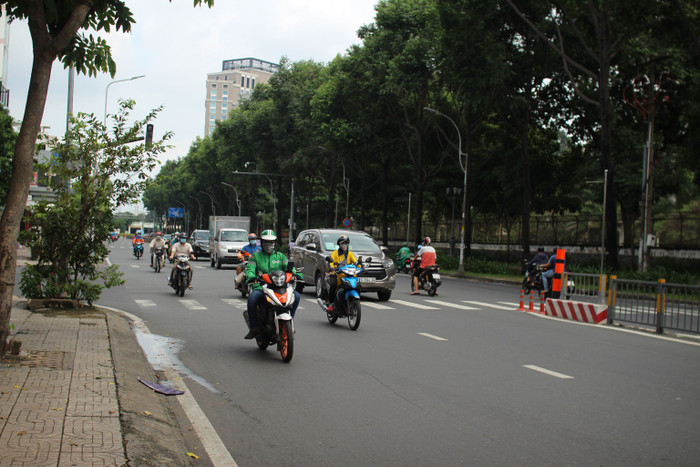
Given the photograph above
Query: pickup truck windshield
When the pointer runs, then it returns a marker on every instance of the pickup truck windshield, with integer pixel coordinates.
(234, 236)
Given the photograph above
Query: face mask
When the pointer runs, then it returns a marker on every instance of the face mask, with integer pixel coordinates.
(183, 240)
(268, 247)
(252, 243)
(343, 247)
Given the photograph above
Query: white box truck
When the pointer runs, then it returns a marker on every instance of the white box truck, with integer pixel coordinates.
(227, 235)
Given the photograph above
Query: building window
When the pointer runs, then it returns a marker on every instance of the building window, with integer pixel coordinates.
(242, 81)
(253, 84)
(248, 86)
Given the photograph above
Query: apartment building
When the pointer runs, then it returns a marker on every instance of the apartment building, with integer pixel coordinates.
(235, 82)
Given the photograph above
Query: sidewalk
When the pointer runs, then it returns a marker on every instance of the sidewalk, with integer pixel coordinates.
(72, 397)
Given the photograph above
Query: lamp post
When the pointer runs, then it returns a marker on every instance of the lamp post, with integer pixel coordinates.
(238, 199)
(213, 208)
(199, 217)
(113, 82)
(272, 193)
(453, 192)
(184, 218)
(602, 224)
(460, 269)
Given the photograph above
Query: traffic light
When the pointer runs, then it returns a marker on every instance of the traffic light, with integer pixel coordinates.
(149, 134)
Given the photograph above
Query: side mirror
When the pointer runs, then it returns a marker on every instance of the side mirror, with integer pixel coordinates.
(311, 247)
(384, 248)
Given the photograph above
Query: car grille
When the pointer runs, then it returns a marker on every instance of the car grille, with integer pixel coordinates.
(232, 250)
(375, 270)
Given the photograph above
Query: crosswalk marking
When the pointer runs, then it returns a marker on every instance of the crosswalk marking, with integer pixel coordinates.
(413, 305)
(491, 305)
(378, 306)
(145, 303)
(193, 305)
(452, 305)
(234, 302)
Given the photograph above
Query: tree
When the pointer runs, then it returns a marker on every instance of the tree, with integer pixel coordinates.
(54, 26)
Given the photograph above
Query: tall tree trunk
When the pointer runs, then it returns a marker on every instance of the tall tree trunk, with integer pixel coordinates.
(18, 190)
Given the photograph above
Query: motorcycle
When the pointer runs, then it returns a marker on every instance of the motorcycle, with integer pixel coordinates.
(138, 250)
(429, 280)
(347, 299)
(159, 260)
(533, 278)
(181, 276)
(275, 313)
(404, 266)
(241, 285)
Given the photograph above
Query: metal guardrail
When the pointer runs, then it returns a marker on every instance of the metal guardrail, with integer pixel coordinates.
(657, 304)
(584, 287)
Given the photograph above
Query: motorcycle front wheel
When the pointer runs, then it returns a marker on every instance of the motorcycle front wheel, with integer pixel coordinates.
(181, 286)
(286, 343)
(354, 314)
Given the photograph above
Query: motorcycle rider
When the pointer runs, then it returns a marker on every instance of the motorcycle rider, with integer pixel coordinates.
(339, 257)
(157, 242)
(403, 255)
(548, 273)
(425, 257)
(137, 240)
(246, 252)
(181, 247)
(264, 262)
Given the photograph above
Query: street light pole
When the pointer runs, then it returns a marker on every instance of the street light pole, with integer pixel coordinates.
(199, 216)
(238, 199)
(213, 208)
(107, 91)
(464, 167)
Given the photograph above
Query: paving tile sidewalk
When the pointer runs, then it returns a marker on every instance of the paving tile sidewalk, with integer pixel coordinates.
(72, 396)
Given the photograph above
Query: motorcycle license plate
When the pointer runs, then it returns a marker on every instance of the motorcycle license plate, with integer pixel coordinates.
(436, 276)
(367, 279)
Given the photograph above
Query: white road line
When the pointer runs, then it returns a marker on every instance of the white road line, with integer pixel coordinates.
(192, 305)
(491, 305)
(451, 305)
(134, 265)
(377, 306)
(145, 303)
(413, 305)
(437, 338)
(548, 372)
(510, 304)
(234, 302)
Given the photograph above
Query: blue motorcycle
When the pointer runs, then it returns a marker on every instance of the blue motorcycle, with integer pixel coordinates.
(138, 250)
(347, 299)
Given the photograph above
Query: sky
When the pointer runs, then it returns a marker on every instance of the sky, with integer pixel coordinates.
(175, 45)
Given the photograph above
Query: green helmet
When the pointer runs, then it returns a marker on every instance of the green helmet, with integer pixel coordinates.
(268, 236)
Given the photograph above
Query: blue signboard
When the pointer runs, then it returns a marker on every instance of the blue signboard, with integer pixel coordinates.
(176, 212)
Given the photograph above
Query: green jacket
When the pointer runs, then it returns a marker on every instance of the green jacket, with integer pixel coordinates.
(264, 263)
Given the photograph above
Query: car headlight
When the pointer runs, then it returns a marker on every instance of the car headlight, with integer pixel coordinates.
(389, 263)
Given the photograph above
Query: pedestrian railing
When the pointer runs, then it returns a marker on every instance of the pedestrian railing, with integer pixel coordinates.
(582, 287)
(657, 304)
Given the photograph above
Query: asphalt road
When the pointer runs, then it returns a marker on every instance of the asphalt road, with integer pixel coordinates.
(458, 379)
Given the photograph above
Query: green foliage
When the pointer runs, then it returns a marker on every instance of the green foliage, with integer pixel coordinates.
(96, 172)
(8, 136)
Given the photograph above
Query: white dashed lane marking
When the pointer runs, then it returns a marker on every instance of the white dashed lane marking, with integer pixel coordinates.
(193, 305)
(548, 372)
(432, 336)
(492, 305)
(145, 303)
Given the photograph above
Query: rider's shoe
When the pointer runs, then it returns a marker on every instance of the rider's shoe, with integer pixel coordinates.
(252, 333)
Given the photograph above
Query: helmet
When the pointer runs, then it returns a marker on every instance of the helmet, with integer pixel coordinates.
(343, 239)
(419, 247)
(252, 236)
(268, 238)
(426, 240)
(158, 234)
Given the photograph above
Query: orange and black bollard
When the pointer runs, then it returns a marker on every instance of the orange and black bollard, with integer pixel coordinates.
(522, 300)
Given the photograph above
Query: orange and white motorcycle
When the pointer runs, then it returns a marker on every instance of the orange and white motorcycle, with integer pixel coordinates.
(275, 312)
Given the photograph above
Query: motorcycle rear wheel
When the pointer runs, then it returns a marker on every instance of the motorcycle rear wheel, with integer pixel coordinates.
(354, 314)
(181, 286)
(286, 343)
(432, 291)
(332, 317)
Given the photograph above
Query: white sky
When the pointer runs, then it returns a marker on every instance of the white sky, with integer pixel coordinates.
(175, 45)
